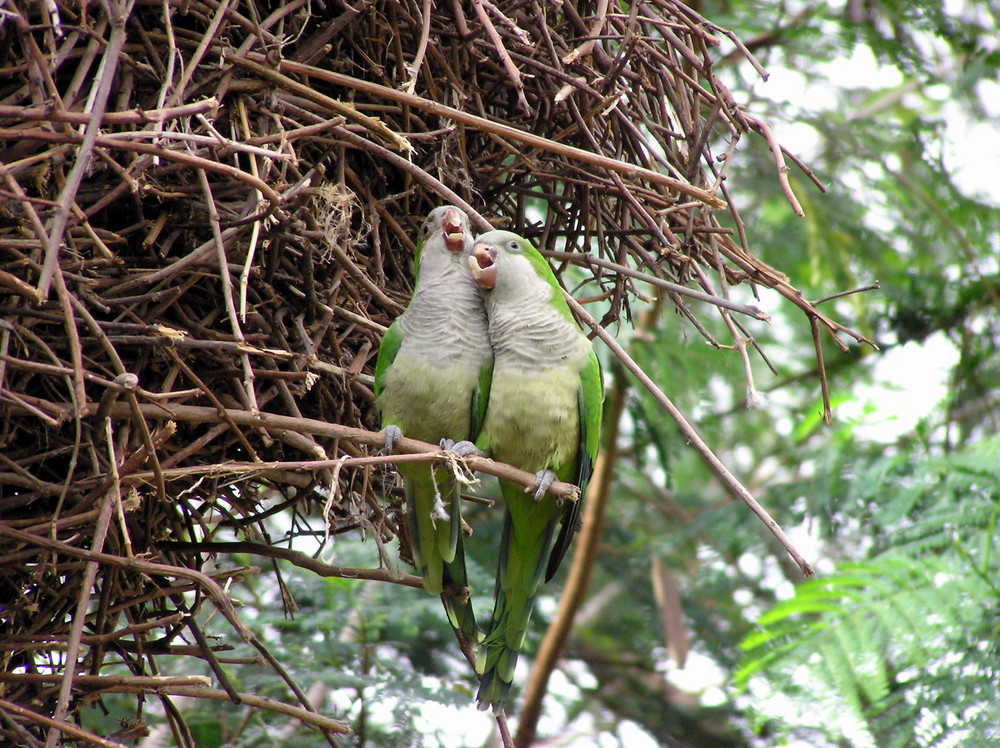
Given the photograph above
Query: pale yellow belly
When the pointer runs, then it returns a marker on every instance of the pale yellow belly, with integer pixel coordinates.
(533, 421)
(427, 402)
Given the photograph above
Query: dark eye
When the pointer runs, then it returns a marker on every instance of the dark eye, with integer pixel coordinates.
(514, 246)
(426, 228)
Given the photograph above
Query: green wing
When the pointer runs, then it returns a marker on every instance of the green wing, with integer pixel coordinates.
(480, 399)
(590, 401)
(387, 351)
(393, 337)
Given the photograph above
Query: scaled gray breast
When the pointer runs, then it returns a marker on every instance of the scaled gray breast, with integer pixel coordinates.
(446, 320)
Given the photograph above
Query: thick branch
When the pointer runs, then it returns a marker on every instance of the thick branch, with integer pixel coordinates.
(197, 414)
(296, 558)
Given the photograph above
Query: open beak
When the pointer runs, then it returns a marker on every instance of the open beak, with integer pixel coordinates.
(482, 265)
(454, 233)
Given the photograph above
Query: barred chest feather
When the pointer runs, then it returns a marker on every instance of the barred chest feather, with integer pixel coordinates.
(429, 401)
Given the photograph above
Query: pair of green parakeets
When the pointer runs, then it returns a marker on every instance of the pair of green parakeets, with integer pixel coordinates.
(488, 359)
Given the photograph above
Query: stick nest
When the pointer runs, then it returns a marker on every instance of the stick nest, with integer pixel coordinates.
(207, 221)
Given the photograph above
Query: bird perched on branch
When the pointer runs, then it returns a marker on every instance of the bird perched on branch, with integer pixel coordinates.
(432, 382)
(544, 416)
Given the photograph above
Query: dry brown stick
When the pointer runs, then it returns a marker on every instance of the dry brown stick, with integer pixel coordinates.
(110, 681)
(521, 34)
(227, 288)
(41, 62)
(755, 268)
(195, 256)
(193, 64)
(37, 227)
(582, 258)
(216, 140)
(305, 131)
(191, 622)
(871, 287)
(67, 728)
(761, 127)
(691, 434)
(199, 414)
(80, 617)
(239, 470)
(65, 371)
(334, 106)
(740, 340)
(508, 64)
(25, 290)
(219, 407)
(142, 566)
(417, 172)
(588, 46)
(255, 229)
(359, 275)
(505, 739)
(119, 11)
(302, 560)
(506, 131)
(313, 719)
(821, 369)
(290, 682)
(187, 159)
(460, 23)
(698, 22)
(150, 443)
(132, 630)
(132, 117)
(418, 58)
(73, 338)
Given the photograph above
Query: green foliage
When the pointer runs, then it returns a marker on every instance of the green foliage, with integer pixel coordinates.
(893, 639)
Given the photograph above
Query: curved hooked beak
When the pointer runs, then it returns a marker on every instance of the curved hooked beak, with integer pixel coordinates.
(482, 265)
(454, 232)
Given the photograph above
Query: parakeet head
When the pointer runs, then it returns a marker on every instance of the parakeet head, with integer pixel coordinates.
(453, 225)
(503, 258)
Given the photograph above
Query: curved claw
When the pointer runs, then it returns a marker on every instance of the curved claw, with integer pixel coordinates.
(392, 435)
(543, 479)
(463, 448)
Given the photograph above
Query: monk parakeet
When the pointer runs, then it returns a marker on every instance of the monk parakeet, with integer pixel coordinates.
(432, 382)
(544, 416)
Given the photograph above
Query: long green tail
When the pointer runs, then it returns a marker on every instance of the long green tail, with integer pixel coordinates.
(437, 543)
(457, 600)
(528, 533)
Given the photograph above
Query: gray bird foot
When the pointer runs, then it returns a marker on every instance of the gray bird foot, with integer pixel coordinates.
(543, 479)
(392, 436)
(463, 448)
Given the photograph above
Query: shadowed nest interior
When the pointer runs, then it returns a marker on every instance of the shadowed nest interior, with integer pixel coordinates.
(207, 220)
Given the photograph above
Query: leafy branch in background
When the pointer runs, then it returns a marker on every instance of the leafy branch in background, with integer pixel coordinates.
(905, 642)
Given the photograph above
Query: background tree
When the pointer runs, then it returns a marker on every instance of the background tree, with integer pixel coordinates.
(240, 244)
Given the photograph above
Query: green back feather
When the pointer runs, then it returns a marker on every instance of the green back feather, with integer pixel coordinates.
(544, 270)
